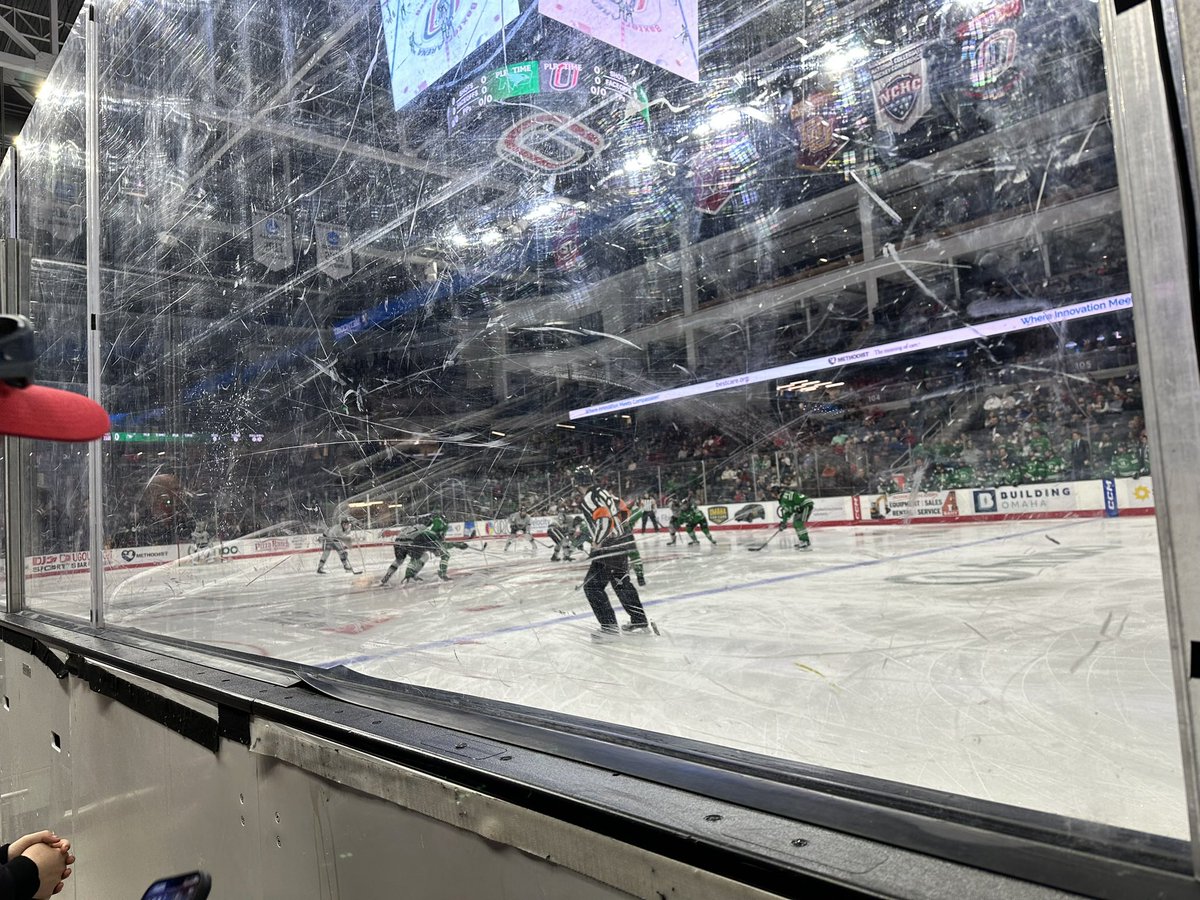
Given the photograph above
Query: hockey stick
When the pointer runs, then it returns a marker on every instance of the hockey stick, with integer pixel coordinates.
(778, 531)
(261, 574)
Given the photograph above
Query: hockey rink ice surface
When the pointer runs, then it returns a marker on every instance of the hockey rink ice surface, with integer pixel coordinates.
(1023, 662)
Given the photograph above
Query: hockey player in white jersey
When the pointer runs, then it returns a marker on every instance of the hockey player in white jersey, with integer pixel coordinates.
(201, 549)
(337, 538)
(520, 523)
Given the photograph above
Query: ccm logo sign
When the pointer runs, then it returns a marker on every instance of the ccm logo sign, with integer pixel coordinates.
(1110, 497)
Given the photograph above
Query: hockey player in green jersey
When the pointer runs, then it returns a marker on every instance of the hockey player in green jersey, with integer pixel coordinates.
(795, 507)
(432, 540)
(690, 518)
(629, 517)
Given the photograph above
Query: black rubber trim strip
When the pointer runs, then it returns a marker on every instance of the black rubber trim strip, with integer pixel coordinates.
(233, 724)
(35, 648)
(1123, 5)
(183, 720)
(153, 643)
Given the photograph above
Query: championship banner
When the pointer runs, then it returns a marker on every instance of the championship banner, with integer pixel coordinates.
(273, 241)
(567, 246)
(989, 50)
(719, 170)
(665, 33)
(816, 120)
(332, 256)
(900, 84)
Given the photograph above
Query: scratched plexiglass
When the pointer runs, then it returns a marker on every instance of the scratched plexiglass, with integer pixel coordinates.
(387, 262)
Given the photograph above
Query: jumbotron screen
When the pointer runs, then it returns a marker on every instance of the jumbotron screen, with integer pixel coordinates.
(427, 38)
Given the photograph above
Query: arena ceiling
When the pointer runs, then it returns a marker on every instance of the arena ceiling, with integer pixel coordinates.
(31, 33)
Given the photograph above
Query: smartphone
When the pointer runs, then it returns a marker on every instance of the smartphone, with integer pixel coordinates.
(192, 886)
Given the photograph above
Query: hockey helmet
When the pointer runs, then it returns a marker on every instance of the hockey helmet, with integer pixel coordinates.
(583, 475)
(438, 525)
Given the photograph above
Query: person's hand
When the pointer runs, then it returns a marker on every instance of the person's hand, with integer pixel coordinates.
(65, 846)
(21, 844)
(51, 862)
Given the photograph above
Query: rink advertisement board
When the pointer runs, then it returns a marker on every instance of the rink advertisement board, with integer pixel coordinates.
(1122, 496)
(1017, 500)
(77, 562)
(1140, 494)
(914, 505)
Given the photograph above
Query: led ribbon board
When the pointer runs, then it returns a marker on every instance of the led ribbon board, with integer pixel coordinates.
(871, 354)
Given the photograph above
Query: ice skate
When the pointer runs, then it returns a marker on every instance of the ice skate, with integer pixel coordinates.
(320, 570)
(804, 545)
(443, 577)
(641, 581)
(606, 634)
(693, 543)
(638, 628)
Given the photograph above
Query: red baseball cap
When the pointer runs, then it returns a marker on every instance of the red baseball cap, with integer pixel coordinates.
(33, 411)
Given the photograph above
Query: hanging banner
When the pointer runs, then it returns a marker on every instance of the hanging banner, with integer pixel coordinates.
(900, 84)
(66, 217)
(816, 120)
(273, 241)
(567, 247)
(663, 32)
(990, 45)
(719, 170)
(332, 256)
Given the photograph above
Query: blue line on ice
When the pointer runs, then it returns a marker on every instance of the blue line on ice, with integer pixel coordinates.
(691, 595)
